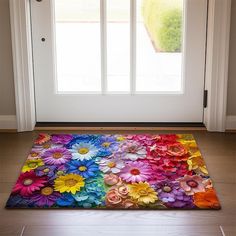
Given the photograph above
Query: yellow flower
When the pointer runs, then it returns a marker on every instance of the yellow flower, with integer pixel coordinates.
(196, 163)
(142, 193)
(32, 164)
(120, 138)
(69, 183)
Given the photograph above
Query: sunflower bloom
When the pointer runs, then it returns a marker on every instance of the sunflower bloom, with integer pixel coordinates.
(142, 193)
(70, 183)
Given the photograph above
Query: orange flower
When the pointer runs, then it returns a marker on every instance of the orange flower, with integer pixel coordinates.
(206, 199)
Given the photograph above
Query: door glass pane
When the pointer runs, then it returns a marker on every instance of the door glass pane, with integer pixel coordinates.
(78, 55)
(118, 45)
(159, 28)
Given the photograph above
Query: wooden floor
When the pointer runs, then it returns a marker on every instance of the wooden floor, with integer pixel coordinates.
(219, 151)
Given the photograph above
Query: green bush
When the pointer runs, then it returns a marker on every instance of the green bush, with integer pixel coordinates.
(163, 21)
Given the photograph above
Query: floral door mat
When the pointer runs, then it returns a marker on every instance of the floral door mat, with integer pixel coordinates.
(163, 171)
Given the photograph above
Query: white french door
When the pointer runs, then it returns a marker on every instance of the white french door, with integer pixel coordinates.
(119, 60)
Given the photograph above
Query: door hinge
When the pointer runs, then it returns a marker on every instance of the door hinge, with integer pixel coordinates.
(205, 98)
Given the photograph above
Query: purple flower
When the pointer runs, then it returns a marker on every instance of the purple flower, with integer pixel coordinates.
(172, 195)
(56, 156)
(109, 142)
(46, 170)
(45, 198)
(61, 138)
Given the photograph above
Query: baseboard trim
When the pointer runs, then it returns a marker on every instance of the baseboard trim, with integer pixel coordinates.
(8, 122)
(116, 126)
(119, 128)
(231, 123)
(119, 124)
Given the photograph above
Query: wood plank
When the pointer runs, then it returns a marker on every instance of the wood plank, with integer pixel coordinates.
(229, 230)
(219, 152)
(126, 230)
(11, 230)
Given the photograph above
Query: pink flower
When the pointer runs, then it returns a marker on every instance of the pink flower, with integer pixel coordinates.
(34, 154)
(111, 179)
(56, 156)
(133, 151)
(122, 190)
(28, 183)
(143, 139)
(113, 198)
(192, 184)
(118, 197)
(128, 203)
(136, 172)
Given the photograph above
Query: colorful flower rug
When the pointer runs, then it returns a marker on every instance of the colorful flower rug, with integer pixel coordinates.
(164, 171)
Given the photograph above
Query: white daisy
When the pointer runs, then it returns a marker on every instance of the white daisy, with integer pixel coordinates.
(83, 151)
(111, 165)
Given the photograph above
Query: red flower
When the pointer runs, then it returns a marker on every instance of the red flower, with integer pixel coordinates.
(28, 182)
(168, 138)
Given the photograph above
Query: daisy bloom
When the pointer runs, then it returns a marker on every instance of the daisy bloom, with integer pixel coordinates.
(133, 150)
(206, 199)
(42, 138)
(192, 184)
(83, 151)
(46, 197)
(56, 156)
(28, 183)
(111, 165)
(70, 183)
(34, 154)
(136, 172)
(143, 193)
(46, 146)
(85, 168)
(109, 142)
(172, 195)
(32, 164)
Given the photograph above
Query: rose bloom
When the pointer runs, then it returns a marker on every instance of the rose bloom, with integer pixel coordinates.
(111, 179)
(113, 198)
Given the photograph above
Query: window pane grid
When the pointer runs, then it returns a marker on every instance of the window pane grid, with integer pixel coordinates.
(111, 47)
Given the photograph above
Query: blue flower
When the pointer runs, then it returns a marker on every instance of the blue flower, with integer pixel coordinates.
(93, 195)
(66, 200)
(86, 169)
(18, 201)
(83, 138)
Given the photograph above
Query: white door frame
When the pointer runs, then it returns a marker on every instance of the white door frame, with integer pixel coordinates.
(216, 78)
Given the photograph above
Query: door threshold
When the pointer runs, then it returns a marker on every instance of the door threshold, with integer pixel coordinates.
(80, 126)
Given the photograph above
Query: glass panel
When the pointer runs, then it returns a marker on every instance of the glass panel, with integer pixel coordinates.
(78, 45)
(118, 45)
(159, 45)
